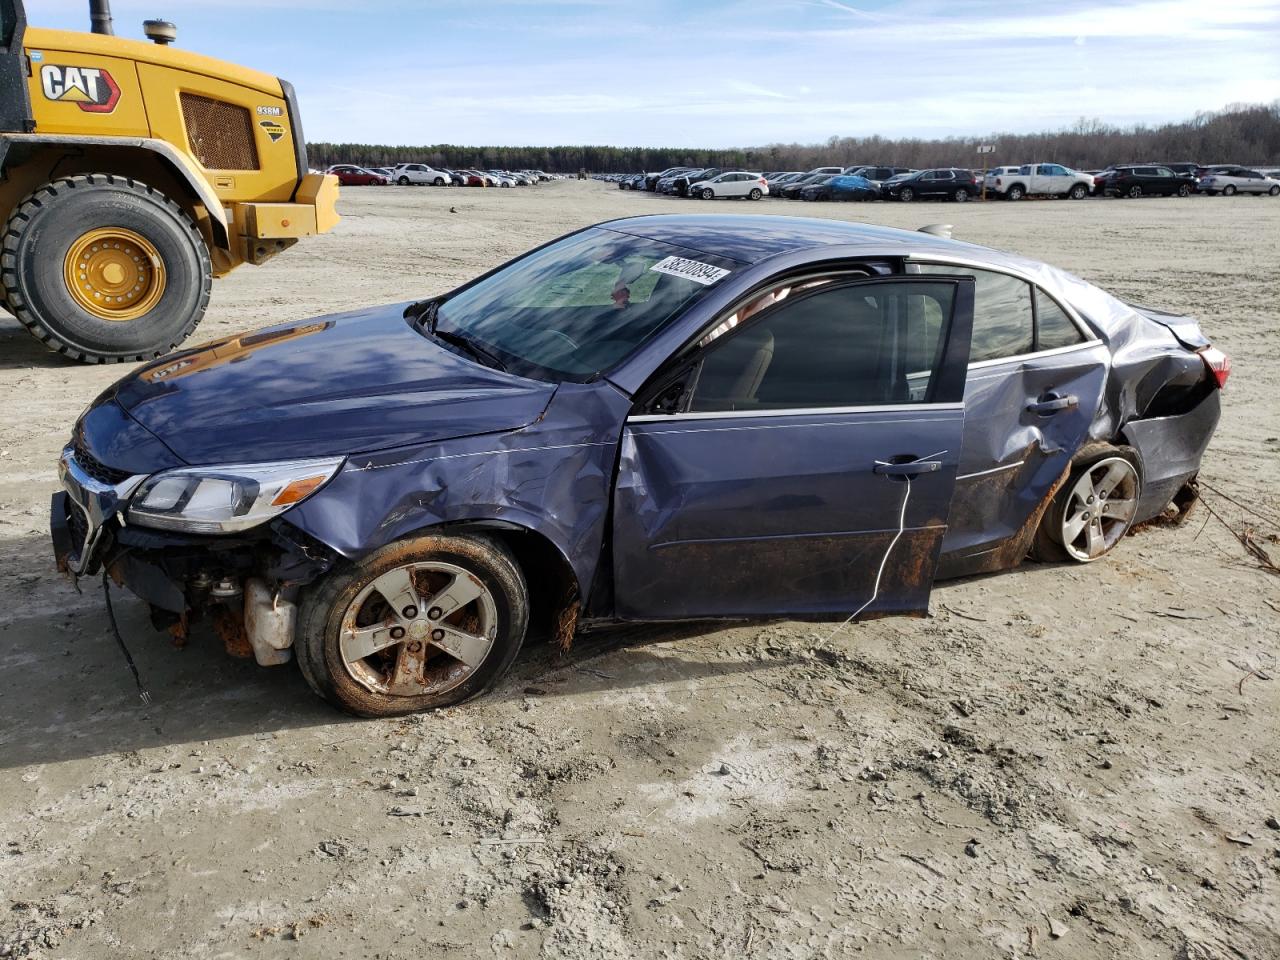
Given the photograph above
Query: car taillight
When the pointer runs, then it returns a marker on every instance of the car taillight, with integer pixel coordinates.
(1219, 365)
(764, 182)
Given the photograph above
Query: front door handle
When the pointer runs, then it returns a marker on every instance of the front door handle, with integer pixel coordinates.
(912, 468)
(1052, 404)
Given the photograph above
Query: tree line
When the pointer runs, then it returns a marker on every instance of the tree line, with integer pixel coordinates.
(1241, 133)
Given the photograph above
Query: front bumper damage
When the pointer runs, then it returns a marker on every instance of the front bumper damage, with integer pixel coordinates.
(247, 585)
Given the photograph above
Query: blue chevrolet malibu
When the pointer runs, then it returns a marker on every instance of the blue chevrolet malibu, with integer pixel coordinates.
(655, 418)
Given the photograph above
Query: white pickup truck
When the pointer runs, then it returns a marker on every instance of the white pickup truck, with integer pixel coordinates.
(1040, 180)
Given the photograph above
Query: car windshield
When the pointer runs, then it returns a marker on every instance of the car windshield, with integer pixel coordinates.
(578, 306)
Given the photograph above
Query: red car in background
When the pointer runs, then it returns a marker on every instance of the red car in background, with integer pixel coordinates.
(353, 176)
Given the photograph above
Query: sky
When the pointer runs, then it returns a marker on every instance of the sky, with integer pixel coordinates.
(725, 74)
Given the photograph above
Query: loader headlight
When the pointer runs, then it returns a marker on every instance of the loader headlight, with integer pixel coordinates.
(227, 499)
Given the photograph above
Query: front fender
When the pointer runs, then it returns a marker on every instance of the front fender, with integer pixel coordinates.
(554, 477)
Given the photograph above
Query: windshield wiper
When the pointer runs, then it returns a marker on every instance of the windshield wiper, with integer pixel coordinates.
(467, 344)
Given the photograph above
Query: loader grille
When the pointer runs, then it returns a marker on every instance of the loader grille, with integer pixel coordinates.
(220, 134)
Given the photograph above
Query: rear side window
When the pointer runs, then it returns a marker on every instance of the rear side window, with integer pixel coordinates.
(839, 347)
(1003, 320)
(1053, 327)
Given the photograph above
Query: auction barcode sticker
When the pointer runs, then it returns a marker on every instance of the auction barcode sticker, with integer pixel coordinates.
(694, 270)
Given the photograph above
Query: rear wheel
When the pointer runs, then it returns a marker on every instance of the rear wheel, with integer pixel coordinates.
(1093, 510)
(403, 181)
(1078, 192)
(1016, 192)
(755, 193)
(1229, 190)
(961, 195)
(419, 624)
(105, 269)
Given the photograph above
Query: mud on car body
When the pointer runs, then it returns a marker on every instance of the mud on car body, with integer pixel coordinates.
(631, 422)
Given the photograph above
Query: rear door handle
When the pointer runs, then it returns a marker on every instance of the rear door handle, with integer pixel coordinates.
(911, 469)
(1052, 404)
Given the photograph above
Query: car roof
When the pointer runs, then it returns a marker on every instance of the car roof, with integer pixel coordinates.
(751, 238)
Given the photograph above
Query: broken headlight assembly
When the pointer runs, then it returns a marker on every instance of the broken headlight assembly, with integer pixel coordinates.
(227, 498)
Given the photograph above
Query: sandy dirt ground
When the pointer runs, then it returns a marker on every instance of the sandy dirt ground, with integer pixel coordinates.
(1070, 762)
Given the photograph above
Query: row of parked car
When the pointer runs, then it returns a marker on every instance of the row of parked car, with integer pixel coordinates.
(421, 174)
(877, 182)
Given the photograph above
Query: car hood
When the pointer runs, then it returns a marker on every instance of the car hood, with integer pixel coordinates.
(337, 385)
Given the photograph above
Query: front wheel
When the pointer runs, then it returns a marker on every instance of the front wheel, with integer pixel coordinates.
(906, 194)
(1078, 192)
(439, 181)
(755, 193)
(1134, 192)
(1274, 192)
(417, 625)
(707, 194)
(105, 269)
(1093, 510)
(1184, 189)
(1229, 190)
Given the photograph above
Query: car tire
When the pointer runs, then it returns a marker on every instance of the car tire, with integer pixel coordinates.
(961, 196)
(906, 194)
(1078, 192)
(383, 683)
(403, 181)
(755, 193)
(1229, 190)
(1134, 192)
(438, 181)
(1184, 190)
(104, 219)
(1061, 535)
(707, 194)
(1274, 192)
(1016, 192)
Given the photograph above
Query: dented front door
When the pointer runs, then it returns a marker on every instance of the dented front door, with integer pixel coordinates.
(770, 507)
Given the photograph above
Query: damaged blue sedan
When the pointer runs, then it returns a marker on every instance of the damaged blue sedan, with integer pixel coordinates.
(655, 418)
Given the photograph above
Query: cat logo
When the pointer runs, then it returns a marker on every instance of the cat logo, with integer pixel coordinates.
(274, 130)
(92, 89)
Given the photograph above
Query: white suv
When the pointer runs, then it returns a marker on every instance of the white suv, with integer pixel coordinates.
(407, 173)
(1039, 179)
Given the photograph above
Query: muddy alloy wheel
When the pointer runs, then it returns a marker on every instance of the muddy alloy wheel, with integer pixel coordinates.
(1093, 511)
(418, 624)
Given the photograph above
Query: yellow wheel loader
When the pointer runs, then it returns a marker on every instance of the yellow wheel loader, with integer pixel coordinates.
(133, 173)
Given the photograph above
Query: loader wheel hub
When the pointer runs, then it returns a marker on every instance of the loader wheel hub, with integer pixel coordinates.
(114, 273)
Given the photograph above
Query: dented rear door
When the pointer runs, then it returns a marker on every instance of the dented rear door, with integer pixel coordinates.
(764, 502)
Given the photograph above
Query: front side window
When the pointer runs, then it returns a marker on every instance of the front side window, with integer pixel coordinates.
(830, 344)
(1003, 321)
(580, 305)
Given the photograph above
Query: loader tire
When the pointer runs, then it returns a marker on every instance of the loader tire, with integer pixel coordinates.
(104, 269)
